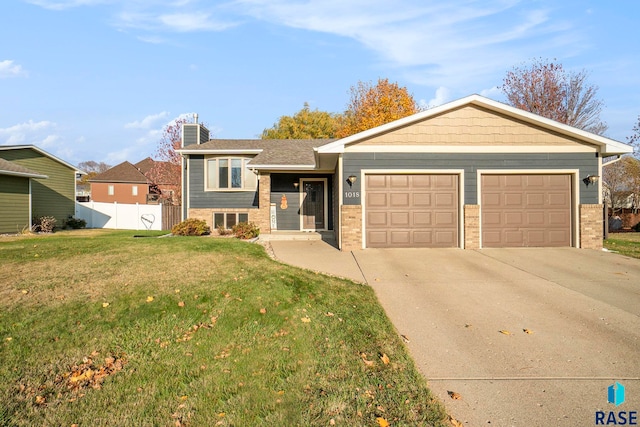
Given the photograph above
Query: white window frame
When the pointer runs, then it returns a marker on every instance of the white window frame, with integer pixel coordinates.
(249, 181)
(111, 190)
(134, 190)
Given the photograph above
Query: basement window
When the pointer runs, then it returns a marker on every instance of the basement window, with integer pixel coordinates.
(227, 220)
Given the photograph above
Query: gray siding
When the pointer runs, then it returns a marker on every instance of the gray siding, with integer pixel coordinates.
(198, 198)
(190, 134)
(282, 184)
(587, 163)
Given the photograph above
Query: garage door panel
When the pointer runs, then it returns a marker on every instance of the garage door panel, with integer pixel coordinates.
(399, 219)
(399, 181)
(376, 182)
(399, 200)
(400, 238)
(526, 210)
(419, 210)
(378, 200)
(377, 219)
(422, 200)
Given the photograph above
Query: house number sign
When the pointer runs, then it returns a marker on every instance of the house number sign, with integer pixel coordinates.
(351, 194)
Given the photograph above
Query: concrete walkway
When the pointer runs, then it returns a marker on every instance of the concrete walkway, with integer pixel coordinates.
(582, 308)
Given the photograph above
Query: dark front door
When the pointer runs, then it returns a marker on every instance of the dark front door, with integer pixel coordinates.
(313, 205)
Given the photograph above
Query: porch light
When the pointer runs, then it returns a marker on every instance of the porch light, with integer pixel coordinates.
(352, 179)
(296, 184)
(591, 179)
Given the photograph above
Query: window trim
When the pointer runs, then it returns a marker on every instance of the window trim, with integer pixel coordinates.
(216, 170)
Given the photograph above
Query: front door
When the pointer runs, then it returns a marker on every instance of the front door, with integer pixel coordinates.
(313, 205)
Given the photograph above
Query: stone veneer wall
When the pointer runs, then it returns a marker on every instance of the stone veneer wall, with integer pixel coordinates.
(472, 226)
(261, 217)
(351, 230)
(591, 226)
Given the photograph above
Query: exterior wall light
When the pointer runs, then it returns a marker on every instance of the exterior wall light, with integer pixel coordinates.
(352, 179)
(296, 184)
(591, 179)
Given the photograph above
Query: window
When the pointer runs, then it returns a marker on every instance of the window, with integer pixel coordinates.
(134, 190)
(110, 190)
(230, 174)
(229, 219)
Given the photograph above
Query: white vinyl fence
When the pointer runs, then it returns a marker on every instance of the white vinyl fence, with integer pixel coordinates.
(120, 216)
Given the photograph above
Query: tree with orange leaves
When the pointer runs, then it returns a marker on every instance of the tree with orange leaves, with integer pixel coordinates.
(372, 106)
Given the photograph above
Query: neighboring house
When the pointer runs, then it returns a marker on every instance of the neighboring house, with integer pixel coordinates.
(129, 183)
(34, 183)
(165, 179)
(473, 173)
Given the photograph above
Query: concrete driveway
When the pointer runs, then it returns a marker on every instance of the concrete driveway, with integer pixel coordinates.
(582, 308)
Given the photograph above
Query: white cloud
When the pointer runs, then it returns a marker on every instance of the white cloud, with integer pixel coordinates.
(37, 133)
(163, 19)
(65, 4)
(147, 122)
(9, 68)
(450, 44)
(442, 96)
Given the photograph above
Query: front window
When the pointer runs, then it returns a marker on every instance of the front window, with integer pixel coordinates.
(134, 190)
(230, 174)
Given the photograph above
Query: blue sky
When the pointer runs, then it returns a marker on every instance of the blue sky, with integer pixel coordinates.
(99, 79)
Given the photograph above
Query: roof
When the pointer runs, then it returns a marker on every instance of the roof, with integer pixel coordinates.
(269, 153)
(124, 172)
(10, 168)
(145, 165)
(608, 147)
(44, 153)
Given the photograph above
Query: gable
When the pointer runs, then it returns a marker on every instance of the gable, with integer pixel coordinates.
(472, 126)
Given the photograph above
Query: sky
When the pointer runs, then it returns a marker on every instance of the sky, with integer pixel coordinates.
(100, 79)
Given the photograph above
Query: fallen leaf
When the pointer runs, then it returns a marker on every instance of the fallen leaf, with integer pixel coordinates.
(149, 298)
(40, 400)
(527, 331)
(181, 304)
(9, 338)
(105, 304)
(25, 291)
(305, 320)
(454, 422)
(505, 332)
(177, 291)
(405, 338)
(468, 325)
(454, 395)
(183, 398)
(332, 422)
(263, 311)
(367, 362)
(382, 422)
(385, 359)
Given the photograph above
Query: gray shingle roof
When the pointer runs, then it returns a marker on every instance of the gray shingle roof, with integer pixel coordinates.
(273, 152)
(10, 168)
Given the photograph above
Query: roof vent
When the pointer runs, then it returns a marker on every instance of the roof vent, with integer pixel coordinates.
(195, 118)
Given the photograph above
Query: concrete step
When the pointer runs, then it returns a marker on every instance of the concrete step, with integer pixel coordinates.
(297, 235)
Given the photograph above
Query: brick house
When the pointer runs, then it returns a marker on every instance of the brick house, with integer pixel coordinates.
(472, 173)
(132, 183)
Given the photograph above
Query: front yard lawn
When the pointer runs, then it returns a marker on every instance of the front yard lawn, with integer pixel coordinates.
(624, 243)
(101, 328)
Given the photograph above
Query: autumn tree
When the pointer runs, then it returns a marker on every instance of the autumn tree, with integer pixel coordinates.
(167, 169)
(621, 182)
(374, 105)
(547, 89)
(305, 124)
(92, 168)
(634, 139)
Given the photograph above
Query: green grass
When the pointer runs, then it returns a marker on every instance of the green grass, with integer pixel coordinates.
(624, 243)
(275, 345)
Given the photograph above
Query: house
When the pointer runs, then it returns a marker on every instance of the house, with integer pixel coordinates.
(34, 183)
(128, 183)
(473, 173)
